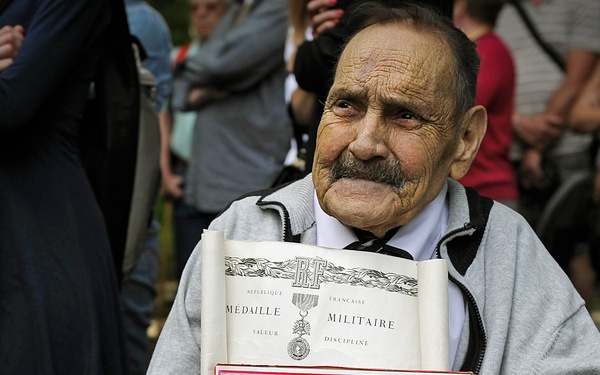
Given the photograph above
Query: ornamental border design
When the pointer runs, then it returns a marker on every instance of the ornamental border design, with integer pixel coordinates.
(358, 276)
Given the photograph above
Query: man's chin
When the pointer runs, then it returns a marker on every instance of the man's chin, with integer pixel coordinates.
(357, 198)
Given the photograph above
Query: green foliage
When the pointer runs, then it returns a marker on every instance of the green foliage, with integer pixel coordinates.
(176, 13)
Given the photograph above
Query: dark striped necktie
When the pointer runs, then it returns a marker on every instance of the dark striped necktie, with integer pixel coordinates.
(368, 242)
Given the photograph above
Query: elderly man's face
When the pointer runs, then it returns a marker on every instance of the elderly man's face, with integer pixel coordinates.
(386, 142)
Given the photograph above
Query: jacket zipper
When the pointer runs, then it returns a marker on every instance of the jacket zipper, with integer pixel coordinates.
(469, 296)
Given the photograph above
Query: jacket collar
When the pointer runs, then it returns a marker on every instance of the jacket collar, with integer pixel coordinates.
(468, 213)
(295, 203)
(468, 218)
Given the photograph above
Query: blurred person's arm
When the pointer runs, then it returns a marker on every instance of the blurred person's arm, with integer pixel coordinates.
(579, 62)
(584, 116)
(236, 59)
(531, 170)
(538, 131)
(543, 130)
(197, 97)
(11, 39)
(59, 35)
(579, 67)
(170, 181)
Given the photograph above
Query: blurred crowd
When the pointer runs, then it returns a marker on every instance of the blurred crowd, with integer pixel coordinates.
(237, 109)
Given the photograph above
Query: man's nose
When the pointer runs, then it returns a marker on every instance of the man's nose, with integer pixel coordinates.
(369, 141)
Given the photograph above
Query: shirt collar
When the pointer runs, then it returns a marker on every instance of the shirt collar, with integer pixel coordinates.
(419, 237)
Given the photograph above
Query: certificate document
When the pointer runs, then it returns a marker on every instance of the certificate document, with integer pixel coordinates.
(288, 304)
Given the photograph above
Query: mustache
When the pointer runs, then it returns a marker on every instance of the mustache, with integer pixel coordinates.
(381, 171)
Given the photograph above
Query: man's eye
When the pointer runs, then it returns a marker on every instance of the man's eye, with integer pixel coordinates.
(406, 119)
(343, 104)
(406, 116)
(343, 108)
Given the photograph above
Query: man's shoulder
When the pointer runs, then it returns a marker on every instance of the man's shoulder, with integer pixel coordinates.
(468, 206)
(284, 195)
(265, 212)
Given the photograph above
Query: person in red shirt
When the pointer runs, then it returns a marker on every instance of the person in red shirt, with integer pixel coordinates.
(492, 172)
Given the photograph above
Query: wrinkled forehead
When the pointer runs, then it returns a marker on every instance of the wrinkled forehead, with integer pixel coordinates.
(396, 55)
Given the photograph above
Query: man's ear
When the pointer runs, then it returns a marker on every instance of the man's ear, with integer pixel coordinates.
(473, 127)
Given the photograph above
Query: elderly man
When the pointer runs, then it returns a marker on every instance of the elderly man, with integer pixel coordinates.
(399, 119)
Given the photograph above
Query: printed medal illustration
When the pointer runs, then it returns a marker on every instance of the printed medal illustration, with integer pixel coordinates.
(299, 348)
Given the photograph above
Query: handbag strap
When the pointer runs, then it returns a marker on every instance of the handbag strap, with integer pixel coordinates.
(548, 49)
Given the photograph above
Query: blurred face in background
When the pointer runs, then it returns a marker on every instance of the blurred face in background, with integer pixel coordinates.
(205, 15)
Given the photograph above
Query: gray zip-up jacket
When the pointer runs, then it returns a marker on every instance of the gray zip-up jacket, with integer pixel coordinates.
(523, 314)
